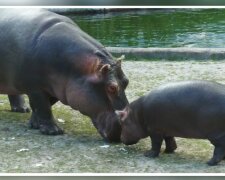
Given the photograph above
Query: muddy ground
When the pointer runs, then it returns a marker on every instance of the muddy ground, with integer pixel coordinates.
(82, 150)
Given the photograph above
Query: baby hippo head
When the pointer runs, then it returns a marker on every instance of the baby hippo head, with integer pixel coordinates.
(108, 126)
(132, 130)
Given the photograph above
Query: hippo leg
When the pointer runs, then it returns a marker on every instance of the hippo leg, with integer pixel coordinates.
(17, 104)
(218, 155)
(171, 144)
(42, 117)
(219, 150)
(156, 146)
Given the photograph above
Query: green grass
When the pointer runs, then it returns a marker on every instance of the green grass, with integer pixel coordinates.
(81, 149)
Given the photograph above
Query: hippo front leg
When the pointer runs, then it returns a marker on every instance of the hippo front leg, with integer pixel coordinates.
(156, 146)
(17, 103)
(42, 117)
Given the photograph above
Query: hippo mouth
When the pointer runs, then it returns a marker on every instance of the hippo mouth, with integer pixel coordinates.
(127, 142)
(108, 126)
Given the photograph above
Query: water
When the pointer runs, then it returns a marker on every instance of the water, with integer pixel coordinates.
(158, 28)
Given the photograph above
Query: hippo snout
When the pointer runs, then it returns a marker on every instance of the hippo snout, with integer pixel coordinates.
(108, 126)
(127, 141)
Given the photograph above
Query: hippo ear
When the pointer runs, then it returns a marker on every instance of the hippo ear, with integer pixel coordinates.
(118, 63)
(119, 60)
(105, 69)
(122, 115)
(101, 71)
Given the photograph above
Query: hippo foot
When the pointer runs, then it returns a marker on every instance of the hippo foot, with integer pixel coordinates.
(33, 122)
(171, 144)
(52, 129)
(22, 109)
(216, 158)
(170, 150)
(218, 154)
(151, 154)
(212, 162)
(48, 129)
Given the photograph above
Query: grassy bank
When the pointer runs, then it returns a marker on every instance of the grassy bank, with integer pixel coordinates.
(82, 150)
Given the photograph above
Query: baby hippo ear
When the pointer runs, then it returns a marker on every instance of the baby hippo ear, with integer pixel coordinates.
(122, 115)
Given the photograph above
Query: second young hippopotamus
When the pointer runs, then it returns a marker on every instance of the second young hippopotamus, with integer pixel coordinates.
(188, 109)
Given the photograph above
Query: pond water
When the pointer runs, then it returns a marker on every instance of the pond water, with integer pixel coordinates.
(157, 28)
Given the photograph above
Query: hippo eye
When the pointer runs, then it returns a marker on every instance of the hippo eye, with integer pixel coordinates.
(112, 88)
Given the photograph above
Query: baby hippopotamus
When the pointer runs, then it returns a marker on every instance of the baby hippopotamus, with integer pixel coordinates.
(187, 109)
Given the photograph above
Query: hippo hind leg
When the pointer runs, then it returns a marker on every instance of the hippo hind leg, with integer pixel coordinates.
(42, 117)
(17, 104)
(218, 155)
(171, 144)
(219, 151)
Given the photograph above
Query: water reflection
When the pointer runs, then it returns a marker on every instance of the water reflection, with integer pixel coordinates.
(158, 28)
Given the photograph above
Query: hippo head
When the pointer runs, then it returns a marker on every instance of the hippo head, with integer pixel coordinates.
(132, 130)
(115, 83)
(98, 95)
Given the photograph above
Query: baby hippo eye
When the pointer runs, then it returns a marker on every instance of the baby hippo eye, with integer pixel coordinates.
(112, 88)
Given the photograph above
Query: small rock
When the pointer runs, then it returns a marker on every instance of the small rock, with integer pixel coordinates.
(49, 158)
(104, 146)
(38, 164)
(61, 120)
(22, 150)
(123, 149)
(109, 161)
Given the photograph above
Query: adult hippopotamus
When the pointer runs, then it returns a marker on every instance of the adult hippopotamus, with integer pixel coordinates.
(49, 58)
(189, 109)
